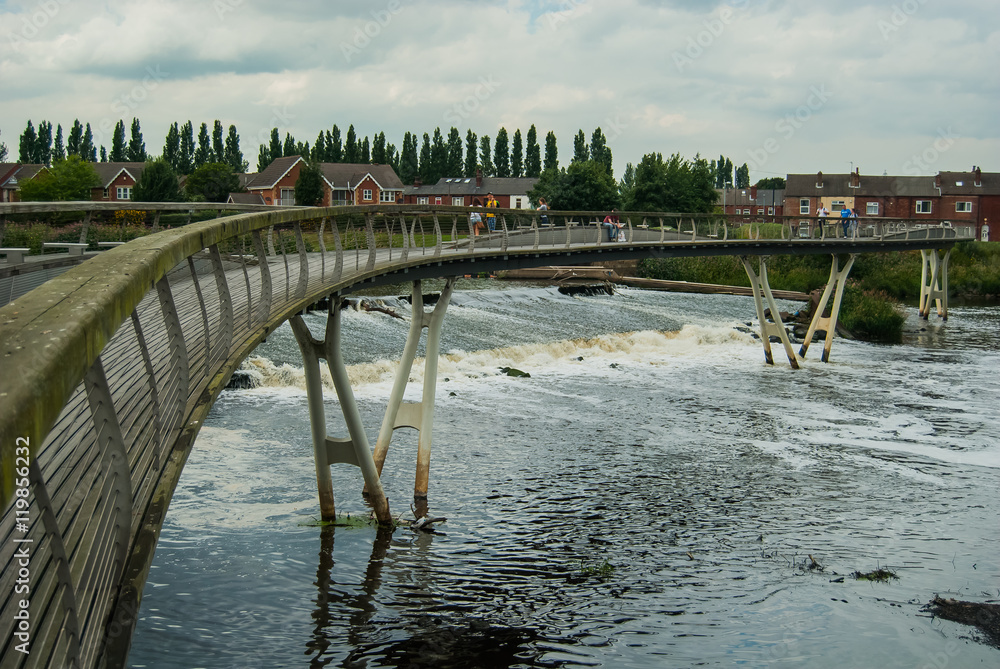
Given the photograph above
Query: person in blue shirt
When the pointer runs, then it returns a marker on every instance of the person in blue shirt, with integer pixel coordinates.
(845, 219)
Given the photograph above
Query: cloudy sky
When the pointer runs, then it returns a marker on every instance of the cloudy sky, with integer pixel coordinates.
(897, 86)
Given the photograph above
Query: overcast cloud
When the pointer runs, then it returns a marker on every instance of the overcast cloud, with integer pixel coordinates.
(901, 86)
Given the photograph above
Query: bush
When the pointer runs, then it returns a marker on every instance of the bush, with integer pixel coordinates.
(871, 315)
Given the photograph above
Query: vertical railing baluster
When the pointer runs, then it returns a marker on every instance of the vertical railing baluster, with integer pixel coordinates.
(204, 311)
(225, 337)
(302, 285)
(266, 289)
(154, 392)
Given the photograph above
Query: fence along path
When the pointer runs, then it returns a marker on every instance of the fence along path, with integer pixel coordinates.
(109, 369)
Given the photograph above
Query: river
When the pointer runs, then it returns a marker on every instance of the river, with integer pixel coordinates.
(654, 495)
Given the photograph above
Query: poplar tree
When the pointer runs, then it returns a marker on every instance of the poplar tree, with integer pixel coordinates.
(117, 154)
(581, 152)
(599, 150)
(352, 152)
(185, 156)
(136, 145)
(3, 152)
(454, 168)
(59, 148)
(75, 139)
(88, 151)
(273, 148)
(233, 153)
(366, 152)
(203, 154)
(425, 168)
(334, 147)
(43, 145)
(439, 157)
(318, 153)
(218, 143)
(485, 162)
(471, 149)
(551, 152)
(501, 154)
(533, 157)
(379, 156)
(408, 164)
(26, 150)
(517, 155)
(289, 148)
(172, 147)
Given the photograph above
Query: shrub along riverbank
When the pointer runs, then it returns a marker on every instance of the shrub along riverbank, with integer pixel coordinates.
(877, 281)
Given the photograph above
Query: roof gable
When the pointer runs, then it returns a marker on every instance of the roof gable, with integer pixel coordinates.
(108, 172)
(274, 172)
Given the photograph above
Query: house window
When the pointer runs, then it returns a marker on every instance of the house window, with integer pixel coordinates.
(804, 205)
(387, 196)
(458, 201)
(437, 200)
(287, 197)
(923, 206)
(423, 200)
(836, 205)
(963, 207)
(105, 193)
(746, 212)
(366, 195)
(124, 192)
(760, 211)
(770, 211)
(871, 209)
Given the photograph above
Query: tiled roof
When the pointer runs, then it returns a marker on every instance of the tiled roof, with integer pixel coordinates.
(349, 175)
(108, 172)
(22, 172)
(467, 186)
(273, 173)
(245, 198)
(741, 196)
(839, 185)
(964, 183)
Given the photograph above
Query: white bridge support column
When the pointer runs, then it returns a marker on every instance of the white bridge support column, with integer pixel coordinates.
(837, 280)
(934, 282)
(327, 451)
(416, 415)
(762, 291)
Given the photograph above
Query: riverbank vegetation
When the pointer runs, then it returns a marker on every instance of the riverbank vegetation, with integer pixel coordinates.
(878, 281)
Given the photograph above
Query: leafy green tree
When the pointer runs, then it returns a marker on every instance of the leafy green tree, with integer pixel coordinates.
(157, 183)
(439, 157)
(409, 166)
(533, 154)
(501, 154)
(88, 150)
(58, 149)
(485, 161)
(600, 151)
(288, 148)
(673, 185)
(29, 137)
(366, 151)
(117, 154)
(471, 151)
(581, 152)
(583, 186)
(43, 145)
(233, 153)
(743, 176)
(274, 147)
(203, 154)
(769, 183)
(551, 152)
(136, 145)
(626, 187)
(318, 154)
(218, 142)
(172, 146)
(517, 155)
(185, 157)
(309, 186)
(263, 158)
(104, 154)
(379, 156)
(67, 180)
(334, 147)
(75, 139)
(392, 157)
(352, 150)
(454, 168)
(426, 164)
(212, 182)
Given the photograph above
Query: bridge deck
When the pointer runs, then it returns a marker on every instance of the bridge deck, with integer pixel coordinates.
(110, 369)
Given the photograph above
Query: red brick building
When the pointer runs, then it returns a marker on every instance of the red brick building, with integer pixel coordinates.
(510, 193)
(117, 181)
(343, 183)
(751, 203)
(11, 176)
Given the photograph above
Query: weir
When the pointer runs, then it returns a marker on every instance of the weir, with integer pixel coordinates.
(110, 368)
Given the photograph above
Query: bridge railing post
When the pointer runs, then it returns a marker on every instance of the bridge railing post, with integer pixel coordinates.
(835, 284)
(761, 291)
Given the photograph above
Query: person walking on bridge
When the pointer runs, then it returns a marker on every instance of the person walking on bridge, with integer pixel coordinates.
(491, 219)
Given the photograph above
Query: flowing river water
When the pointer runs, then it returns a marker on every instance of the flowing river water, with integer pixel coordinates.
(653, 495)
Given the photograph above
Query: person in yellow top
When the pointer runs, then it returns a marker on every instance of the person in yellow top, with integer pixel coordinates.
(491, 219)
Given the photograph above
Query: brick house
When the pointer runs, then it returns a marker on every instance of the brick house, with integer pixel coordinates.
(343, 183)
(974, 198)
(11, 176)
(871, 196)
(510, 193)
(117, 181)
(752, 203)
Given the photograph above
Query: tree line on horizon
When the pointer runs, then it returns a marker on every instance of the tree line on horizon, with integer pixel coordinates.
(216, 157)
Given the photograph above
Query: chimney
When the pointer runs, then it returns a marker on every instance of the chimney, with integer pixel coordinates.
(417, 182)
(937, 181)
(819, 180)
(979, 176)
(856, 178)
(479, 178)
(753, 193)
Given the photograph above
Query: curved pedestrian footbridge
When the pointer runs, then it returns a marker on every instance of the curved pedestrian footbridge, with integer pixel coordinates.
(109, 369)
